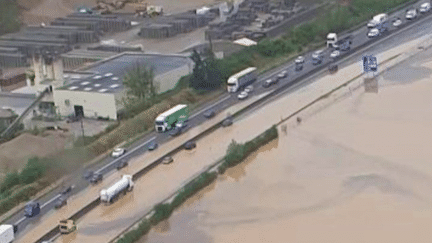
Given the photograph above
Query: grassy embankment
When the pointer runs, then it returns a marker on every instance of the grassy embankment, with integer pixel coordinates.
(235, 154)
(265, 55)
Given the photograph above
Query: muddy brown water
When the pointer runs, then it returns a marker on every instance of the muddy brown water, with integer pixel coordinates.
(358, 171)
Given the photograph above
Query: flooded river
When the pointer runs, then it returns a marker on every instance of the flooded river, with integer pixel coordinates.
(357, 171)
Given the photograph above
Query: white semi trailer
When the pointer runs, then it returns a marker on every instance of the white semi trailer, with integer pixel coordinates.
(243, 78)
(7, 233)
(125, 184)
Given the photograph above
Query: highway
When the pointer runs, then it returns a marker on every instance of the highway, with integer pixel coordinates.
(108, 164)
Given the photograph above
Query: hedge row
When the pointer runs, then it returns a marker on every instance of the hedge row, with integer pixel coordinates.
(22, 195)
(236, 153)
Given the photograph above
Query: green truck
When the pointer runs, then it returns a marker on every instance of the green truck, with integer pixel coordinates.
(168, 120)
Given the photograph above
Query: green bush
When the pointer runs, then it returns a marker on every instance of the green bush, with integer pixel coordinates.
(33, 170)
(22, 195)
(9, 17)
(161, 212)
(202, 181)
(134, 235)
(237, 152)
(11, 179)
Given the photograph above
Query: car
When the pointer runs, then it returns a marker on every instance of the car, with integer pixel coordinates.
(72, 119)
(182, 125)
(31, 209)
(175, 131)
(243, 95)
(61, 201)
(266, 84)
(249, 89)
(411, 14)
(117, 152)
(121, 164)
(167, 160)
(373, 33)
(152, 146)
(282, 75)
(209, 114)
(316, 61)
(425, 7)
(298, 67)
(335, 54)
(333, 68)
(97, 177)
(299, 60)
(66, 190)
(108, 75)
(397, 22)
(190, 145)
(227, 122)
(317, 54)
(88, 174)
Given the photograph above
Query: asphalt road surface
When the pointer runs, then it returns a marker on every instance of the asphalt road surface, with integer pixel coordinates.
(411, 31)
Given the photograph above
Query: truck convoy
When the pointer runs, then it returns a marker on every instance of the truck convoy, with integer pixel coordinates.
(168, 120)
(241, 79)
(7, 233)
(125, 184)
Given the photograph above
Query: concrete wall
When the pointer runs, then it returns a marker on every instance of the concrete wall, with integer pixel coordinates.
(168, 80)
(94, 104)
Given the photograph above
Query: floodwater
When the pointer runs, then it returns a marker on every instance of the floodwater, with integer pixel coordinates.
(357, 171)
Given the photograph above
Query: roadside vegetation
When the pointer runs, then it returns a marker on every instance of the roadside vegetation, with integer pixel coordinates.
(142, 104)
(236, 153)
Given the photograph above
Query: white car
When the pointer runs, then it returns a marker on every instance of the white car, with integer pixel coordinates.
(117, 152)
(243, 95)
(282, 75)
(373, 33)
(108, 75)
(425, 7)
(335, 54)
(249, 89)
(299, 60)
(411, 14)
(317, 54)
(397, 22)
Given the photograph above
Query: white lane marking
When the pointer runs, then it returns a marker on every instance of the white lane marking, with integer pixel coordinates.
(20, 220)
(121, 157)
(52, 199)
(220, 101)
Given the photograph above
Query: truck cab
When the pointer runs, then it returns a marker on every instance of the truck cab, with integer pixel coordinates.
(331, 39)
(67, 226)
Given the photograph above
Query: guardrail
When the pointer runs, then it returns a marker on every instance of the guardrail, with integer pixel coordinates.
(282, 88)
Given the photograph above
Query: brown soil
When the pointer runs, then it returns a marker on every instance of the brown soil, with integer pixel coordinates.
(15, 153)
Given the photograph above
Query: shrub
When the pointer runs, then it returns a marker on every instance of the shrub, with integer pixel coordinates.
(22, 195)
(161, 212)
(11, 179)
(33, 170)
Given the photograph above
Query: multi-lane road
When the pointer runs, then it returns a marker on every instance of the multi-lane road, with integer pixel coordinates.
(108, 164)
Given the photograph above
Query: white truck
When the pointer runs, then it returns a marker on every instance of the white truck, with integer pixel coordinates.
(170, 118)
(240, 79)
(125, 184)
(7, 233)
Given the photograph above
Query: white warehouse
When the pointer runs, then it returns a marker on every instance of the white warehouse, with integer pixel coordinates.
(96, 90)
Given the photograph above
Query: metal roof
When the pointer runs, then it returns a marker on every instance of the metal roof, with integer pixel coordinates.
(108, 74)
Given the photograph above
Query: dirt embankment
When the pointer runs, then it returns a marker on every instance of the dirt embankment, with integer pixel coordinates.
(15, 153)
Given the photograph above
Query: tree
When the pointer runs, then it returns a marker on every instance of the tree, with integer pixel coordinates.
(207, 72)
(139, 83)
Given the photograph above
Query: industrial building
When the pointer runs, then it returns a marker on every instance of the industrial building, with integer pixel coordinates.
(96, 91)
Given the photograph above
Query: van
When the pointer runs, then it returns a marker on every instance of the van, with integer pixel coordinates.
(378, 20)
(31, 209)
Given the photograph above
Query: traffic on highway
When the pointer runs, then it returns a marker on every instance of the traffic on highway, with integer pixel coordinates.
(290, 73)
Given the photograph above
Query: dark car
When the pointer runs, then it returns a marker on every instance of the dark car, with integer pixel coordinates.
(190, 145)
(298, 67)
(152, 146)
(121, 164)
(317, 61)
(97, 177)
(60, 202)
(31, 209)
(333, 68)
(67, 189)
(266, 84)
(175, 132)
(88, 174)
(209, 114)
(227, 122)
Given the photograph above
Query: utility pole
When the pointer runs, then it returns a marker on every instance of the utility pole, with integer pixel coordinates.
(82, 129)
